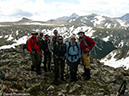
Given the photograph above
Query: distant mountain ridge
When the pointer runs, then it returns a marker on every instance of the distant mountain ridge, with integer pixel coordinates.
(108, 33)
(94, 20)
(125, 17)
(67, 18)
(24, 19)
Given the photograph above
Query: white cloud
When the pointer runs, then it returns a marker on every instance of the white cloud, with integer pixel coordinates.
(39, 10)
(111, 7)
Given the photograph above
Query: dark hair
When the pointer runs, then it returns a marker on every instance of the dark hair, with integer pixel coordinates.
(46, 35)
(55, 31)
(41, 34)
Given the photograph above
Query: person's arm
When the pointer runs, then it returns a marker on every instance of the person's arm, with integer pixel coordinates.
(92, 43)
(79, 50)
(43, 45)
(55, 51)
(29, 45)
(67, 50)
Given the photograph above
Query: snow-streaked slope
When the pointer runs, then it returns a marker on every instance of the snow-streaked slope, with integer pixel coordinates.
(63, 31)
(18, 42)
(122, 23)
(10, 37)
(97, 20)
(117, 58)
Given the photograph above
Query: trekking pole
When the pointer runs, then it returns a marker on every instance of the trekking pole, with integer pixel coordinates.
(121, 89)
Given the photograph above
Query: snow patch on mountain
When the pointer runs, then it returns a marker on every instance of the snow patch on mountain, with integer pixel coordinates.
(122, 23)
(17, 32)
(10, 37)
(112, 60)
(97, 20)
(106, 38)
(72, 20)
(6, 36)
(63, 31)
(18, 42)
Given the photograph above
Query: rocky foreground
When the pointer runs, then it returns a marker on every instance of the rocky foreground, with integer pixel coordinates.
(16, 79)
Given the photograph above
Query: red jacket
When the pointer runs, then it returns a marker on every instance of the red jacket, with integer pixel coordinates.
(32, 45)
(88, 41)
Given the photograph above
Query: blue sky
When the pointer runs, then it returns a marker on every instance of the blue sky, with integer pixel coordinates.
(43, 10)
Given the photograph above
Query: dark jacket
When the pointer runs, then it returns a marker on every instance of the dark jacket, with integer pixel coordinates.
(41, 41)
(46, 43)
(60, 50)
(54, 40)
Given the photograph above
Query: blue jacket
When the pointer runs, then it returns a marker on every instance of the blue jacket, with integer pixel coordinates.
(73, 53)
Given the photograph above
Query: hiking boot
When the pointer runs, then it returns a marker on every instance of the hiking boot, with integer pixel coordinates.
(75, 79)
(49, 69)
(45, 69)
(83, 74)
(53, 70)
(87, 78)
(72, 80)
(32, 68)
(63, 79)
(38, 72)
(56, 83)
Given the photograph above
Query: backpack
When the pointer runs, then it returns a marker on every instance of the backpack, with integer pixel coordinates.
(74, 45)
(25, 46)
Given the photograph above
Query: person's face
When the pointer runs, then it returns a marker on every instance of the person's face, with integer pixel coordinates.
(81, 34)
(73, 40)
(35, 35)
(55, 33)
(60, 40)
(47, 37)
(40, 36)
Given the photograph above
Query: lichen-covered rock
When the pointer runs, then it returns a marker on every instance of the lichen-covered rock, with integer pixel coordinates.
(15, 76)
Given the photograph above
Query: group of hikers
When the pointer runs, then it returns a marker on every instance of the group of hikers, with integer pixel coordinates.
(72, 52)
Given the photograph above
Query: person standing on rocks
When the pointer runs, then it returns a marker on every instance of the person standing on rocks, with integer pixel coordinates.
(35, 52)
(47, 53)
(54, 42)
(86, 44)
(41, 41)
(55, 37)
(59, 54)
(73, 55)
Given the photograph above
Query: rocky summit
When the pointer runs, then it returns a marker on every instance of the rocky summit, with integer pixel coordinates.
(16, 79)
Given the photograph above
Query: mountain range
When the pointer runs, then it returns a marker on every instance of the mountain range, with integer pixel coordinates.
(109, 61)
(108, 33)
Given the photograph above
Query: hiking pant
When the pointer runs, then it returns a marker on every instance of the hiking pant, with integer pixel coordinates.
(59, 65)
(86, 60)
(73, 69)
(36, 60)
(47, 58)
